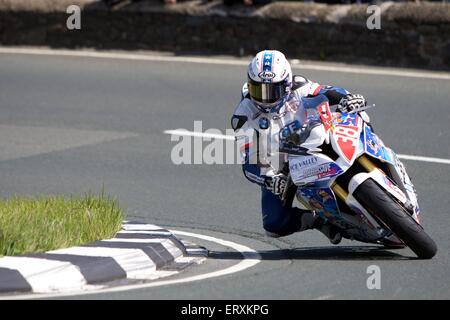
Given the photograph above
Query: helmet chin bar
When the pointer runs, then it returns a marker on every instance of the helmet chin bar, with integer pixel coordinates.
(268, 107)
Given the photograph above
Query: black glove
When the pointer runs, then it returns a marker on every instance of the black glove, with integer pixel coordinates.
(276, 184)
(352, 103)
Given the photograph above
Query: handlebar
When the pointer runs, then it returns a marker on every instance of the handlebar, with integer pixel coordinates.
(334, 108)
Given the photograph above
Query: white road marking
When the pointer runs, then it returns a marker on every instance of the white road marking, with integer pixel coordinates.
(138, 227)
(154, 233)
(180, 132)
(424, 159)
(250, 259)
(223, 61)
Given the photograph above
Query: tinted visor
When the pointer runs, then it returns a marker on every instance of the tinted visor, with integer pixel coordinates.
(266, 93)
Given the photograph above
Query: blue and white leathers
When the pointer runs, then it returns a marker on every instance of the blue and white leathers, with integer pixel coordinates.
(261, 154)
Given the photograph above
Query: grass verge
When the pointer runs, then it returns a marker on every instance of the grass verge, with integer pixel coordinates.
(37, 224)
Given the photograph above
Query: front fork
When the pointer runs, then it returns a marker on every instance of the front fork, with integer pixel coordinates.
(340, 192)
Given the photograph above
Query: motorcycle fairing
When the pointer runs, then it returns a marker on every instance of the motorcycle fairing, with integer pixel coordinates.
(323, 202)
(402, 179)
(345, 137)
(375, 147)
(312, 168)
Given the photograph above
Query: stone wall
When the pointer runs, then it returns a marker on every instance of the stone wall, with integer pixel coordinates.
(411, 34)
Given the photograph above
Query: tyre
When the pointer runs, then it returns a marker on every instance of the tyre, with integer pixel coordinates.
(380, 204)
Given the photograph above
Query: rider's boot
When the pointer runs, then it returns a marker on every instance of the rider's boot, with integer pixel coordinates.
(312, 221)
(331, 232)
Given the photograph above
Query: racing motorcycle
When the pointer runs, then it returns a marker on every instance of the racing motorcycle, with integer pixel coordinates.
(341, 170)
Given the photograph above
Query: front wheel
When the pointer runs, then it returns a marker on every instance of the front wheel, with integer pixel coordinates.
(375, 199)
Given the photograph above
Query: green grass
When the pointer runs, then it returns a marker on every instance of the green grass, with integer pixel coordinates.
(42, 223)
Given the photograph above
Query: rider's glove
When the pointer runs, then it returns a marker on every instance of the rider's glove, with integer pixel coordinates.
(352, 103)
(277, 184)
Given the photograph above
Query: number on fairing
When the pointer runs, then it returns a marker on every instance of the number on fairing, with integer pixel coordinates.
(347, 140)
(346, 133)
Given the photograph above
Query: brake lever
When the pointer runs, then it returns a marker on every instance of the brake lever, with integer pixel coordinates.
(362, 109)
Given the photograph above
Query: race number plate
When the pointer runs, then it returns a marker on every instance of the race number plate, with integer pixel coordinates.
(346, 135)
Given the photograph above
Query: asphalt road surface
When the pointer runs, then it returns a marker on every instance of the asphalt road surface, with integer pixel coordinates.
(74, 124)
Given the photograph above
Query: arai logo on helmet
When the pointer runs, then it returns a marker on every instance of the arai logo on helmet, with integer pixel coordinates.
(266, 75)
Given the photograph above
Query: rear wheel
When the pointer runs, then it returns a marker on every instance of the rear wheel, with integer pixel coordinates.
(372, 197)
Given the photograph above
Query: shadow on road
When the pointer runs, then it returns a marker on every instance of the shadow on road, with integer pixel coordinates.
(343, 253)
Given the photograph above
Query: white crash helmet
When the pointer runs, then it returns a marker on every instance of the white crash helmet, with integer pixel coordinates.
(269, 78)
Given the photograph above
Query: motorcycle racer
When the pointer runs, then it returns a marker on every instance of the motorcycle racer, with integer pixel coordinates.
(272, 108)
